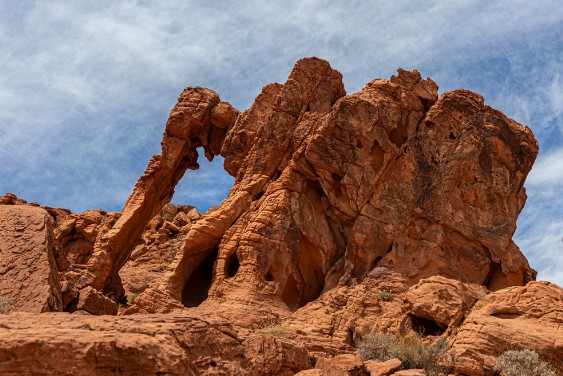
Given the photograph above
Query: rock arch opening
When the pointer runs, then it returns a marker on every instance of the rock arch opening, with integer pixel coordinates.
(205, 187)
(197, 286)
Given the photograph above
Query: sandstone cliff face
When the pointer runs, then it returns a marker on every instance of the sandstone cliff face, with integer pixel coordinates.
(330, 186)
(390, 209)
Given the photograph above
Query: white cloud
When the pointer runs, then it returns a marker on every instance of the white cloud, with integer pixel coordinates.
(547, 171)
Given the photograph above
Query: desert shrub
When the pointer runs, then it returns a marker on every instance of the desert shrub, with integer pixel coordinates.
(168, 217)
(377, 346)
(5, 303)
(131, 298)
(275, 328)
(411, 350)
(385, 295)
(523, 363)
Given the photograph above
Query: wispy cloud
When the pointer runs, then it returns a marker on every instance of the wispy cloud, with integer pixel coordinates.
(86, 87)
(540, 226)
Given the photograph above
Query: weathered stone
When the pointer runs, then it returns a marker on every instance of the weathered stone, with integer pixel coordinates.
(410, 372)
(387, 210)
(342, 365)
(517, 317)
(275, 356)
(442, 301)
(131, 345)
(94, 302)
(29, 278)
(383, 368)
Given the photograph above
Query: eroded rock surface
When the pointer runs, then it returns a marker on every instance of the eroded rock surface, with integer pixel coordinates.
(110, 345)
(329, 186)
(199, 119)
(29, 278)
(517, 317)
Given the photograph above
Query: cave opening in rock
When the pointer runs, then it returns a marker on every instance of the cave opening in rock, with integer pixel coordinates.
(205, 187)
(496, 279)
(310, 265)
(197, 286)
(426, 327)
(232, 265)
(290, 293)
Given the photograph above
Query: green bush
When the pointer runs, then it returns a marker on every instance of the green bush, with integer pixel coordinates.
(523, 363)
(410, 350)
(385, 295)
(5, 303)
(131, 298)
(168, 217)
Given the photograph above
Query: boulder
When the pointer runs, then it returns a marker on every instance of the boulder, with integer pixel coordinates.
(528, 316)
(383, 368)
(438, 302)
(29, 276)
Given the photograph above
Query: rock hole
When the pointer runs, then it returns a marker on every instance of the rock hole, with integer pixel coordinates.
(197, 287)
(496, 279)
(72, 305)
(350, 337)
(310, 264)
(426, 327)
(232, 265)
(359, 144)
(269, 277)
(377, 157)
(336, 177)
(290, 293)
(505, 316)
(375, 262)
(452, 136)
(308, 109)
(398, 135)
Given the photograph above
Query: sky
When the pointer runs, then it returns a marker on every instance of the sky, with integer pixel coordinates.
(86, 87)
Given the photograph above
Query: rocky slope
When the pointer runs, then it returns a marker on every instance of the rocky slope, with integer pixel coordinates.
(390, 209)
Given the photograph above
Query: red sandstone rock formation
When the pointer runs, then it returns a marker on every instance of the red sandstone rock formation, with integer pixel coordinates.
(198, 119)
(517, 317)
(388, 210)
(106, 345)
(29, 278)
(332, 186)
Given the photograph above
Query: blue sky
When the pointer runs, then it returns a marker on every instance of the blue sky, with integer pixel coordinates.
(86, 87)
